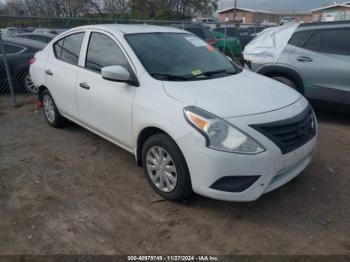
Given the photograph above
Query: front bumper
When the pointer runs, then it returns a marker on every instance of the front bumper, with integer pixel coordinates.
(274, 169)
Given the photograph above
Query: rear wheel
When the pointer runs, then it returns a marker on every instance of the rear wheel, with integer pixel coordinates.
(29, 85)
(165, 168)
(53, 117)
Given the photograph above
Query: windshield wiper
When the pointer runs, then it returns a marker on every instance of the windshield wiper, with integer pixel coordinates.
(216, 72)
(170, 77)
(191, 76)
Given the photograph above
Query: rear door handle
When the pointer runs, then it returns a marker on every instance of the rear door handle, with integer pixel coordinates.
(49, 72)
(84, 85)
(304, 59)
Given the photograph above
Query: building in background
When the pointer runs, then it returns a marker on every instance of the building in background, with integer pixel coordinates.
(334, 12)
(252, 16)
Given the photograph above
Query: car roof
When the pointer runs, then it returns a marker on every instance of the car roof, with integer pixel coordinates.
(25, 42)
(324, 25)
(38, 34)
(131, 29)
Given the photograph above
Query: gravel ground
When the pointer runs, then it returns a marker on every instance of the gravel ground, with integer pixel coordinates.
(67, 191)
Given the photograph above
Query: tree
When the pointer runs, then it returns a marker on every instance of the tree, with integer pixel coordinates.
(172, 8)
(142, 9)
(52, 8)
(116, 7)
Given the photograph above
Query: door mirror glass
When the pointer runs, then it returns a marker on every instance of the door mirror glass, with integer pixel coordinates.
(115, 73)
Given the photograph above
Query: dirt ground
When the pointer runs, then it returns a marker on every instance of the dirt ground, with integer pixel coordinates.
(68, 191)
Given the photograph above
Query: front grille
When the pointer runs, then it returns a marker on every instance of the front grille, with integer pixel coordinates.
(290, 134)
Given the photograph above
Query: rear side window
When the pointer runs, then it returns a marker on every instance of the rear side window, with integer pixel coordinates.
(313, 43)
(102, 52)
(68, 48)
(336, 42)
(299, 37)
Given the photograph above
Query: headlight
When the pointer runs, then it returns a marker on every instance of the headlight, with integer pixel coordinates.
(219, 134)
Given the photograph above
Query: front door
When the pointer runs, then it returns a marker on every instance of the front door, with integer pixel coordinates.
(104, 106)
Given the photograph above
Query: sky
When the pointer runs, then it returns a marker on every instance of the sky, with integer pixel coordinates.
(275, 4)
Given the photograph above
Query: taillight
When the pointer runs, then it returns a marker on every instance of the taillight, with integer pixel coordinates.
(32, 61)
(212, 41)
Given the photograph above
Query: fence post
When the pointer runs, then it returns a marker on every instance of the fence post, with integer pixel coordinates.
(225, 37)
(8, 73)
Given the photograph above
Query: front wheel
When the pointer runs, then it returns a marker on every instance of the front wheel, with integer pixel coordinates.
(165, 168)
(286, 81)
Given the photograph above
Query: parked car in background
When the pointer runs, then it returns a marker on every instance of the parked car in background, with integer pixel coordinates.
(210, 22)
(193, 119)
(316, 62)
(201, 31)
(245, 33)
(248, 33)
(20, 53)
(230, 46)
(11, 31)
(41, 37)
(52, 31)
(286, 20)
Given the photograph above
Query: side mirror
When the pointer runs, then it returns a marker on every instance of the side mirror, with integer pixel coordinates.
(115, 73)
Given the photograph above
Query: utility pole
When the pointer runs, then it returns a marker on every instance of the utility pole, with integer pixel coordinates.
(234, 11)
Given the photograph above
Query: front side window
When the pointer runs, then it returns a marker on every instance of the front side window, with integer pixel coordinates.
(313, 43)
(68, 48)
(103, 51)
(179, 57)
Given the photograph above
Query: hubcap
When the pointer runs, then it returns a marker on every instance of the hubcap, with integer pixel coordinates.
(161, 169)
(49, 108)
(30, 85)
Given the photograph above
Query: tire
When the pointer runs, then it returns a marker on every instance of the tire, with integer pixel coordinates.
(29, 85)
(286, 81)
(174, 169)
(51, 113)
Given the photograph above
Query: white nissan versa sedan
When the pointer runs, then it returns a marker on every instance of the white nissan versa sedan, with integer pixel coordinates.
(194, 120)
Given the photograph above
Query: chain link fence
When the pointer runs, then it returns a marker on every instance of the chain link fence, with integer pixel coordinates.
(22, 37)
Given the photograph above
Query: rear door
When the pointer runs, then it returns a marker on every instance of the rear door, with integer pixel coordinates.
(324, 61)
(61, 72)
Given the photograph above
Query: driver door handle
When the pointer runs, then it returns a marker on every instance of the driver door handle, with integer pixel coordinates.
(49, 72)
(84, 85)
(304, 59)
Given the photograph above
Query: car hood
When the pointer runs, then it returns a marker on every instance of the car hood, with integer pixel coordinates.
(243, 94)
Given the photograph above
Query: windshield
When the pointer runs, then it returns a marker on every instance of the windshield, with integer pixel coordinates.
(179, 57)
